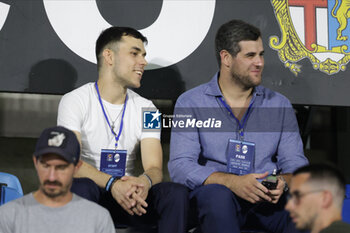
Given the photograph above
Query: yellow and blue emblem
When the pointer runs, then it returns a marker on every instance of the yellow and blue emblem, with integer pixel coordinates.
(313, 29)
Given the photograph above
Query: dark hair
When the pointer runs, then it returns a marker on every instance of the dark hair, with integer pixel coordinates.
(324, 172)
(115, 34)
(231, 33)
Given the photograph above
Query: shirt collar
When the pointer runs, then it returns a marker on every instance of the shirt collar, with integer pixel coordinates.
(213, 88)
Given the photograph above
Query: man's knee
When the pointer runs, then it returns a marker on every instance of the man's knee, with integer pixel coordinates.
(212, 192)
(172, 190)
(217, 209)
(213, 197)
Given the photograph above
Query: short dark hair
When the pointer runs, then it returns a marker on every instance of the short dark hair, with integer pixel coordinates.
(115, 34)
(326, 173)
(231, 33)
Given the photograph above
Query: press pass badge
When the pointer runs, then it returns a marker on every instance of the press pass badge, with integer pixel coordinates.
(113, 162)
(240, 157)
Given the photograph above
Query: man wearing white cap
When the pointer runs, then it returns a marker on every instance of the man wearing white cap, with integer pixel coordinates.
(53, 208)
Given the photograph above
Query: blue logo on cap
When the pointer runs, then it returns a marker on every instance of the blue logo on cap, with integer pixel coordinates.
(151, 119)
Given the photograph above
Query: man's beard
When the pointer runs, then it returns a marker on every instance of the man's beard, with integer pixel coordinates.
(53, 194)
(309, 224)
(245, 81)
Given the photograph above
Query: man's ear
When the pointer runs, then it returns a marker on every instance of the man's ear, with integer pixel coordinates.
(35, 160)
(327, 199)
(108, 56)
(78, 165)
(226, 58)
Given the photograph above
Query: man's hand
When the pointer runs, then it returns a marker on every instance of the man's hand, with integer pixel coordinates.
(140, 194)
(277, 193)
(123, 191)
(249, 188)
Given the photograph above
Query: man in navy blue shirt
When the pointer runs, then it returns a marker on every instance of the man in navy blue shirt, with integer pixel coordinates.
(231, 134)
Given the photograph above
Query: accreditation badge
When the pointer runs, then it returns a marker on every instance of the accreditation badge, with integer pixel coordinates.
(240, 157)
(113, 162)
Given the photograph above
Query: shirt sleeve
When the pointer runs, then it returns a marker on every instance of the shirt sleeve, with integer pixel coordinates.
(290, 154)
(185, 149)
(70, 112)
(153, 133)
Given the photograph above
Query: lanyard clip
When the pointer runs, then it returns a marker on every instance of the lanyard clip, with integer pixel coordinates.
(241, 134)
(115, 148)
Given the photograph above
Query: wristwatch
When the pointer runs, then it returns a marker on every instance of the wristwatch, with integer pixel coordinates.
(285, 188)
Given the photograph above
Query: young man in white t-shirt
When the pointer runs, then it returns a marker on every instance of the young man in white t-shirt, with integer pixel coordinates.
(107, 115)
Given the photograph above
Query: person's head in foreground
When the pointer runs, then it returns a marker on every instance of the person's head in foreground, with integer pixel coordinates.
(316, 197)
(56, 160)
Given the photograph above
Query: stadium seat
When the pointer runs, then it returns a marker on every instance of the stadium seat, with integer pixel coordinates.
(10, 188)
(346, 205)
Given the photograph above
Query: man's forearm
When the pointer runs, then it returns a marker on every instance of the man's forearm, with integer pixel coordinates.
(86, 170)
(152, 159)
(155, 174)
(220, 178)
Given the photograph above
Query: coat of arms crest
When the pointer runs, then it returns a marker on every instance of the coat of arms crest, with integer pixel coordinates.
(313, 29)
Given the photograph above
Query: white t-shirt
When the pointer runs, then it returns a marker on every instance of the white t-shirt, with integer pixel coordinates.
(80, 110)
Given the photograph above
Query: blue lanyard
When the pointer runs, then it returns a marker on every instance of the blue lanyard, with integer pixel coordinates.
(240, 126)
(104, 113)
